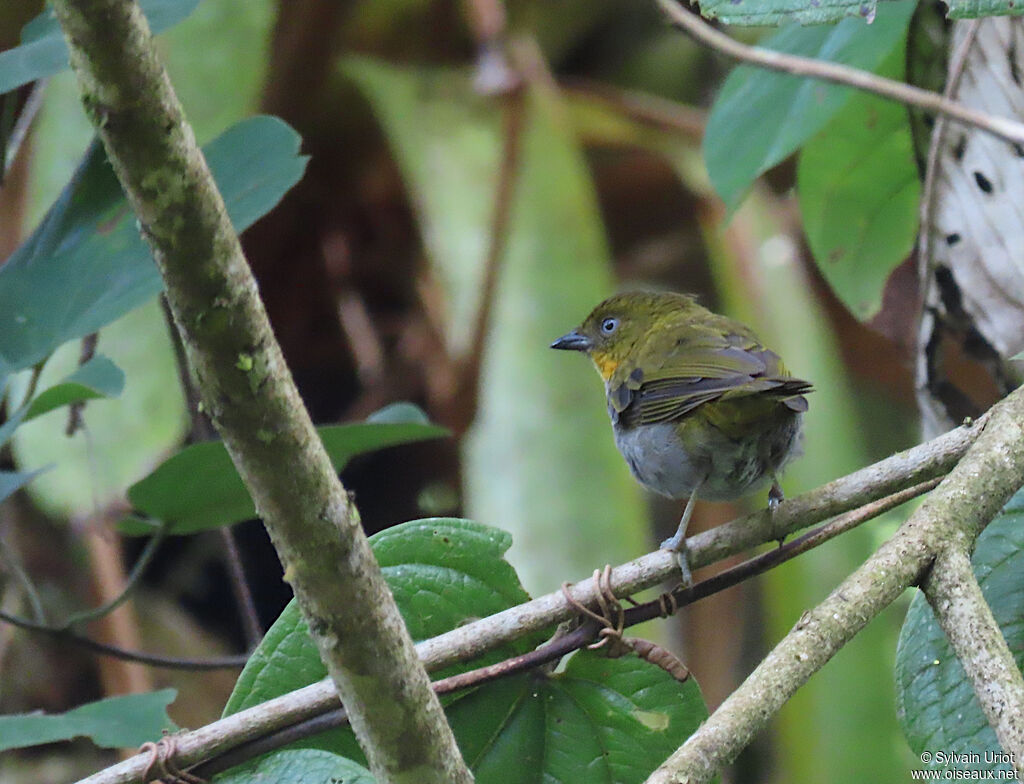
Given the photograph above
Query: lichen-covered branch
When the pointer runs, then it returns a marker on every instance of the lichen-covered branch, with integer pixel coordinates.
(978, 642)
(896, 472)
(249, 395)
(952, 516)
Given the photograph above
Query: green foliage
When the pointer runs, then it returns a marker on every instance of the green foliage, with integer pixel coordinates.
(43, 52)
(616, 719)
(126, 435)
(601, 719)
(760, 117)
(89, 236)
(199, 488)
(114, 722)
(442, 572)
(859, 192)
(937, 705)
(99, 377)
(300, 766)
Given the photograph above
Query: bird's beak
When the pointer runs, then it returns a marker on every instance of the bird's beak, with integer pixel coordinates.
(573, 341)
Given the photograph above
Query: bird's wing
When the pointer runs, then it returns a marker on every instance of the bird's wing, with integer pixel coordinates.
(704, 366)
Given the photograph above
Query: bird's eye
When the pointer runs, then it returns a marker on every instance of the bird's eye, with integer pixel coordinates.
(609, 325)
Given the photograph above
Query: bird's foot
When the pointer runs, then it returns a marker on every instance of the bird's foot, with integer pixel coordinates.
(677, 545)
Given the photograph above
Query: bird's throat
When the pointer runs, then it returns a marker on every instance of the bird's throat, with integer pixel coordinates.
(605, 363)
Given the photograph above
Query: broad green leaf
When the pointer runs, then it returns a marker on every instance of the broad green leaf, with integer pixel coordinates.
(937, 706)
(199, 488)
(299, 766)
(12, 481)
(115, 722)
(86, 265)
(778, 12)
(760, 118)
(859, 192)
(540, 460)
(99, 377)
(614, 718)
(43, 52)
(125, 436)
(609, 720)
(442, 572)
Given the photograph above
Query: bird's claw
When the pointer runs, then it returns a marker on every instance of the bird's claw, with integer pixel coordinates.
(677, 545)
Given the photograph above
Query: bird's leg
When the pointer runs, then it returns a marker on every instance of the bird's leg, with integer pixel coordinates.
(776, 497)
(677, 542)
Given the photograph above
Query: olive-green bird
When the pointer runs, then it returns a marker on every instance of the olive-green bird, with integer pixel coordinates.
(699, 407)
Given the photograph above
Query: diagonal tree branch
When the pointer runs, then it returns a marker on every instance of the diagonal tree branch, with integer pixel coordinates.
(965, 617)
(251, 398)
(871, 483)
(952, 516)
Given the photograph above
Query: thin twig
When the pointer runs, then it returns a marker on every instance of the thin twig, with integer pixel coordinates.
(935, 103)
(956, 72)
(513, 110)
(154, 659)
(251, 625)
(769, 560)
(31, 592)
(33, 104)
(87, 352)
(926, 317)
(33, 382)
(647, 109)
(148, 551)
(202, 430)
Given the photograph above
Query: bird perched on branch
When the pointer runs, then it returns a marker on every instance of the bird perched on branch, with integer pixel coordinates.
(699, 407)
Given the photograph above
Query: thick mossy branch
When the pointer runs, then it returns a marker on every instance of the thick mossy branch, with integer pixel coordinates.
(249, 394)
(949, 519)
